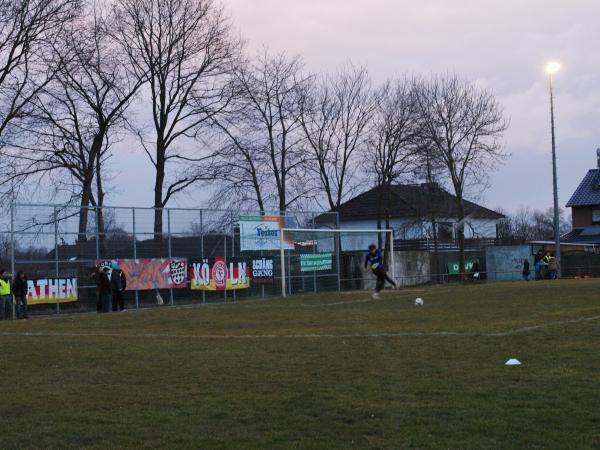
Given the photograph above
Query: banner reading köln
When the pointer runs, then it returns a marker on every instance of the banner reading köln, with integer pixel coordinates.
(216, 274)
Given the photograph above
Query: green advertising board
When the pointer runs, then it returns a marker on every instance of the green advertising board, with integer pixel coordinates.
(316, 262)
(454, 266)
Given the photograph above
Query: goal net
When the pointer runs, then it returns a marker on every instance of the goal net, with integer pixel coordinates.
(320, 260)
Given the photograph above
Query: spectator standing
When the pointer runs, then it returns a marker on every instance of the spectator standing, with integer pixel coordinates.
(546, 262)
(105, 288)
(476, 270)
(538, 264)
(118, 282)
(19, 289)
(5, 295)
(526, 271)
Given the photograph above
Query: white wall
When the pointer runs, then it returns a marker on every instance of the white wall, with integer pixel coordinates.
(406, 229)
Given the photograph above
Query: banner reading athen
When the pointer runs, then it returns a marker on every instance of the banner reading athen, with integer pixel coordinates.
(52, 290)
(264, 232)
(150, 274)
(215, 274)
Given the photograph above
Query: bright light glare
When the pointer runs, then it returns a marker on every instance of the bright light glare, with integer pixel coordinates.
(552, 67)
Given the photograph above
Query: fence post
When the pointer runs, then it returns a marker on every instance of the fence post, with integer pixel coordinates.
(137, 293)
(202, 249)
(233, 251)
(289, 264)
(12, 248)
(97, 233)
(338, 243)
(282, 264)
(225, 259)
(55, 219)
(169, 246)
(314, 250)
(392, 257)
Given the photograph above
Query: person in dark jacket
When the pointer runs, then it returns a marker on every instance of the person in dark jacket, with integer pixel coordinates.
(95, 274)
(476, 271)
(118, 282)
(105, 288)
(538, 264)
(19, 289)
(374, 259)
(526, 271)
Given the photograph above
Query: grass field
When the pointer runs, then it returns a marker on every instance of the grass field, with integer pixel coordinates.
(327, 371)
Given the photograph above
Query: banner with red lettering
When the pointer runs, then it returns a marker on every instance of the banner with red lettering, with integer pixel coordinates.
(216, 274)
(52, 290)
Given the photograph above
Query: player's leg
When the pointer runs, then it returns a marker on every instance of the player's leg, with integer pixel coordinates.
(379, 283)
(389, 280)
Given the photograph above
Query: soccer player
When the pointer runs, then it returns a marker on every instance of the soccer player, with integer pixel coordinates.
(374, 259)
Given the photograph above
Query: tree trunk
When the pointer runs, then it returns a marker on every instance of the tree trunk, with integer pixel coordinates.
(100, 205)
(389, 243)
(461, 233)
(84, 208)
(379, 214)
(158, 196)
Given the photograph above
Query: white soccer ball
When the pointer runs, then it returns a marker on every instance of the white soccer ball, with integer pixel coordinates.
(419, 302)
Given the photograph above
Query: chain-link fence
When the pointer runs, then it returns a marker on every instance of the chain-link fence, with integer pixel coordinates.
(57, 246)
(180, 256)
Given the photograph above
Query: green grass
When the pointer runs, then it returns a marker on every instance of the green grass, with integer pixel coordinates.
(299, 373)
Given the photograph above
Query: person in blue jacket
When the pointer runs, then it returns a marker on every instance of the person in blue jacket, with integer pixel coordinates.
(374, 260)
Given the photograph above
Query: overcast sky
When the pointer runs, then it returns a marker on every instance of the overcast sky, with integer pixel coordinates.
(503, 44)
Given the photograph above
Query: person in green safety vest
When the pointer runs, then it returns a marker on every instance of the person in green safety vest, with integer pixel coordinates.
(546, 261)
(5, 295)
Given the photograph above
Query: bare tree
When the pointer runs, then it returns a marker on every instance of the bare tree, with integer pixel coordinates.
(28, 31)
(335, 117)
(263, 149)
(391, 146)
(530, 225)
(185, 48)
(78, 114)
(464, 125)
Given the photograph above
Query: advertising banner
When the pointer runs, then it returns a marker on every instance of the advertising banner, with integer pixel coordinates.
(262, 271)
(316, 262)
(215, 274)
(52, 290)
(264, 232)
(454, 266)
(151, 274)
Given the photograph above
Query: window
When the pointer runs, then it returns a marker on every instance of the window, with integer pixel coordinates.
(596, 216)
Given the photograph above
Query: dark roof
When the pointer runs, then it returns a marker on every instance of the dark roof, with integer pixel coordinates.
(587, 235)
(411, 201)
(588, 192)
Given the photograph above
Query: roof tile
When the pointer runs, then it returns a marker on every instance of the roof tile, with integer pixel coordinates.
(588, 192)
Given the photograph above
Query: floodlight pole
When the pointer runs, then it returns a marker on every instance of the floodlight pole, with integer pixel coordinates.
(554, 179)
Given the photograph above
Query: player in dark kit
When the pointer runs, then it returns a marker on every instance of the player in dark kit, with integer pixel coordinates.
(374, 259)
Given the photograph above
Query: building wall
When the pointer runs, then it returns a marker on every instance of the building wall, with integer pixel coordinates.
(410, 269)
(506, 263)
(408, 230)
(582, 217)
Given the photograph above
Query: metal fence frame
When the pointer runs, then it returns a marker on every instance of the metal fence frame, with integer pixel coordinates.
(49, 228)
